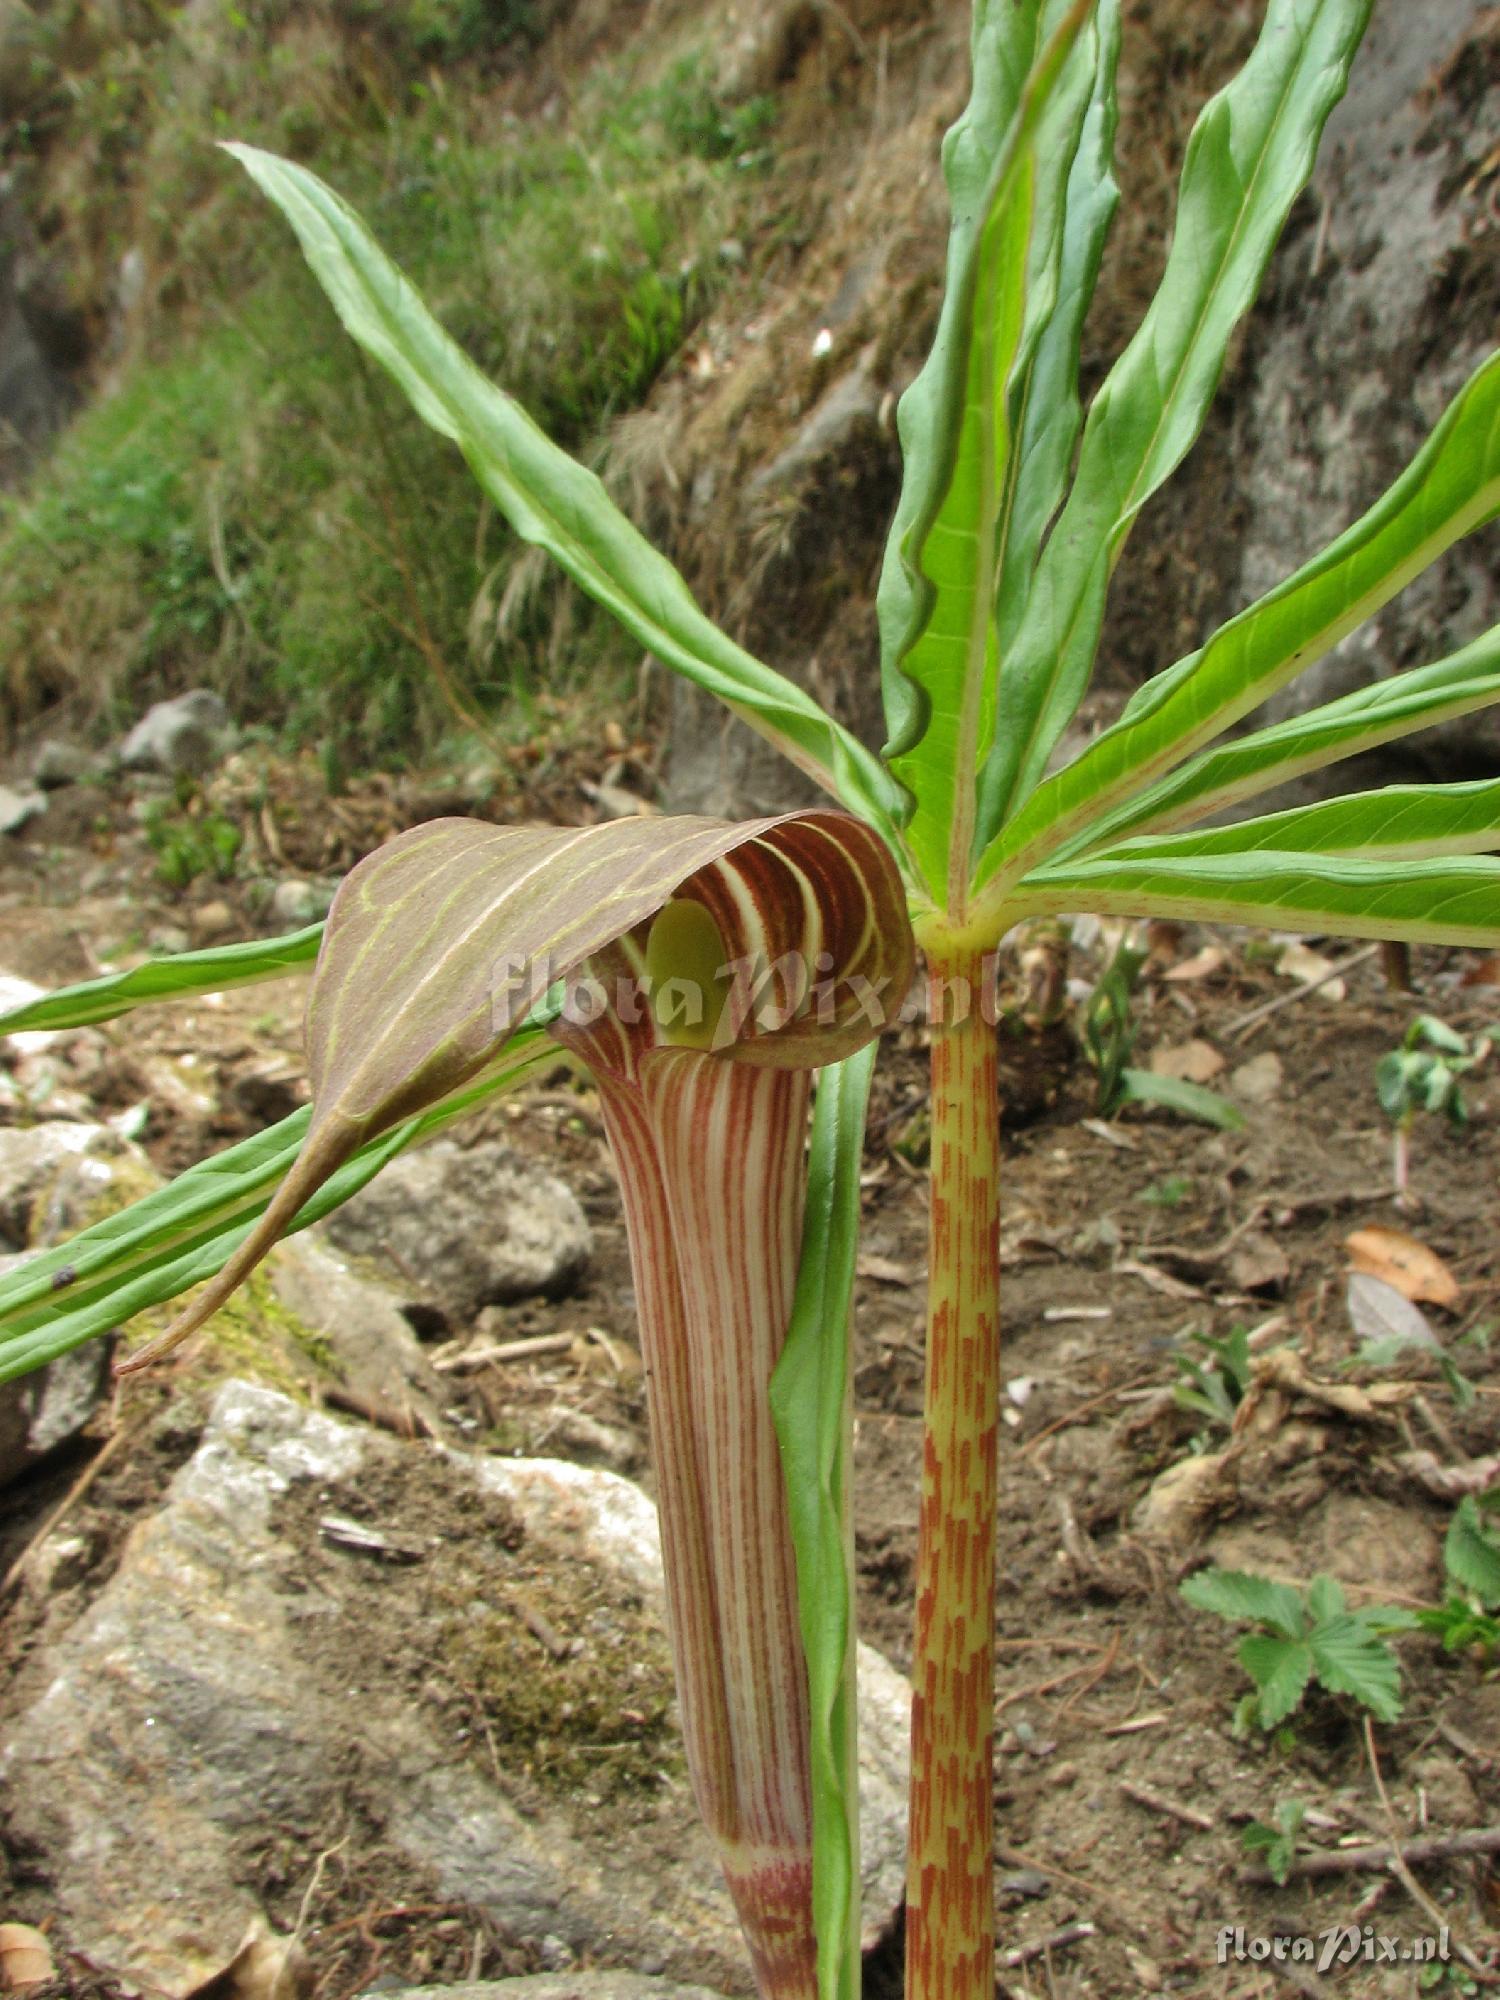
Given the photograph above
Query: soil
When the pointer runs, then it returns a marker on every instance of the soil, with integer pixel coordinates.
(1124, 1240)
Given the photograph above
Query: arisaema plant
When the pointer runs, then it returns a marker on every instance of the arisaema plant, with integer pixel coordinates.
(723, 965)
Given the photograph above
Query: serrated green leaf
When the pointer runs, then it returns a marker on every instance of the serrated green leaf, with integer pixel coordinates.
(1247, 160)
(1449, 489)
(1428, 902)
(1472, 1554)
(1349, 1659)
(1325, 1598)
(177, 978)
(1188, 1100)
(1281, 1669)
(551, 500)
(1240, 1594)
(810, 1402)
(946, 547)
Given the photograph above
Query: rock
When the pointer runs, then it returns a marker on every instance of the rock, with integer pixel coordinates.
(1378, 309)
(462, 1228)
(1451, 1800)
(18, 992)
(17, 805)
(37, 391)
(368, 1337)
(185, 735)
(296, 903)
(759, 45)
(56, 1178)
(240, 1670)
(40, 1411)
(548, 1986)
(58, 763)
(1259, 1080)
(850, 404)
(210, 921)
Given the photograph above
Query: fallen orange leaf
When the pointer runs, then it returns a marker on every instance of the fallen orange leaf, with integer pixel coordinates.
(1400, 1261)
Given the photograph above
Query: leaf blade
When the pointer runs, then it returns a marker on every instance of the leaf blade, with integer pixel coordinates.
(945, 550)
(1448, 901)
(1398, 823)
(548, 497)
(1188, 1100)
(1249, 156)
(176, 978)
(1239, 1594)
(1450, 488)
(810, 1402)
(184, 1234)
(1281, 1669)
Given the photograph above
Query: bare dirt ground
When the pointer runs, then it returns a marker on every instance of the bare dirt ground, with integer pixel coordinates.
(1121, 1791)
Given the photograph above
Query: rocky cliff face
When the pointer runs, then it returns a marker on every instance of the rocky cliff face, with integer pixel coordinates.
(42, 346)
(1382, 303)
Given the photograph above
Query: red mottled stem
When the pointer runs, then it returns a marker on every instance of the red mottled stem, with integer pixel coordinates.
(950, 1926)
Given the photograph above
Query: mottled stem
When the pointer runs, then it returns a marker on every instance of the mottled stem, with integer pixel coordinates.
(950, 1925)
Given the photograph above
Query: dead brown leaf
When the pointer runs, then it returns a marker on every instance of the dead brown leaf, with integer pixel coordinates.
(1259, 1264)
(25, 1958)
(265, 1967)
(1189, 1062)
(885, 1270)
(1404, 1263)
(1450, 1482)
(1301, 962)
(1202, 965)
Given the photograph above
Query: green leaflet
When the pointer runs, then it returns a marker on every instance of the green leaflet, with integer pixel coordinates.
(1450, 488)
(1362, 720)
(550, 499)
(175, 978)
(1249, 157)
(1428, 902)
(1045, 412)
(1400, 823)
(810, 1402)
(1175, 1093)
(1006, 164)
(186, 1232)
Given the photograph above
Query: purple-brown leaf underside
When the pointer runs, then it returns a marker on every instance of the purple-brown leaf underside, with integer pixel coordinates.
(440, 943)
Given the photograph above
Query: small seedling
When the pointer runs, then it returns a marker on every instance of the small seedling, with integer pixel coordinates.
(1453, 1976)
(1467, 1621)
(1424, 1075)
(187, 847)
(1214, 1386)
(1108, 1033)
(1277, 1843)
(1304, 1638)
(1169, 1192)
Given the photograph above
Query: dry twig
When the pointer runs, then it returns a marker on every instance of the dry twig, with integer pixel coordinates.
(1159, 1802)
